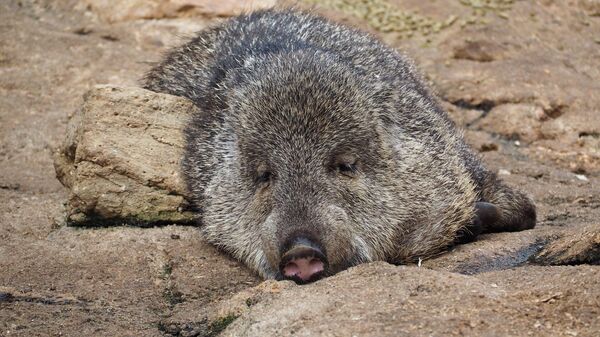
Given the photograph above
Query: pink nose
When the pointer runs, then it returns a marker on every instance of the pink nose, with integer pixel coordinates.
(304, 267)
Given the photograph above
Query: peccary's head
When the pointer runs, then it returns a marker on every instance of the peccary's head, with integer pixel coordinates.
(298, 176)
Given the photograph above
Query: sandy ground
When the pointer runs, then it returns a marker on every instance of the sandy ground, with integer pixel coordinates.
(522, 81)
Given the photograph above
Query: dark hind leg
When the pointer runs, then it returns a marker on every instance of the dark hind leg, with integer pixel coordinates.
(502, 209)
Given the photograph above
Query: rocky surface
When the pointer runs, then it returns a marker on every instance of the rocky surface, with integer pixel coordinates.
(120, 159)
(379, 299)
(572, 248)
(519, 76)
(117, 11)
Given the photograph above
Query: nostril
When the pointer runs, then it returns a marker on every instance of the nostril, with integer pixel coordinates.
(315, 266)
(291, 269)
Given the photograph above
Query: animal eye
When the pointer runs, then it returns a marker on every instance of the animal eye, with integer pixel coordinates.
(347, 169)
(264, 177)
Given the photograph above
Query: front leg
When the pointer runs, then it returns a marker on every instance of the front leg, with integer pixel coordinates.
(504, 210)
(487, 215)
(516, 211)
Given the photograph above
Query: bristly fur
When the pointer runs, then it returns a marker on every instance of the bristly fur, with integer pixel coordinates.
(312, 128)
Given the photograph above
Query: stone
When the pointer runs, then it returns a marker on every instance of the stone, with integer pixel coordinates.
(379, 299)
(120, 159)
(580, 246)
(479, 50)
(514, 121)
(490, 252)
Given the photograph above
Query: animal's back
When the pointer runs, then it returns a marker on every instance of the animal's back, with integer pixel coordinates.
(198, 70)
(199, 67)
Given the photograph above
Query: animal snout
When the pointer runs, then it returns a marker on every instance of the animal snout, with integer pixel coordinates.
(303, 261)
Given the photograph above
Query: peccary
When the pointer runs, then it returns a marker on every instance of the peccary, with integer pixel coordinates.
(317, 148)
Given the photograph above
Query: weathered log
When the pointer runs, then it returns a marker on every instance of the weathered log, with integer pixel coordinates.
(121, 156)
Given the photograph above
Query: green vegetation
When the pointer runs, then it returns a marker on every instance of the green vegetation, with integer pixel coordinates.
(389, 18)
(217, 326)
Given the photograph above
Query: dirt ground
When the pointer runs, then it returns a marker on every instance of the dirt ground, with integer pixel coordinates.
(520, 76)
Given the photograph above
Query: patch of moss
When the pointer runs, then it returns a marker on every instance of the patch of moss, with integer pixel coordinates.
(251, 301)
(217, 326)
(386, 17)
(172, 296)
(167, 270)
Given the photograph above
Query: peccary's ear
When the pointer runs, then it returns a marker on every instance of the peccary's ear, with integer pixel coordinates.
(486, 215)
